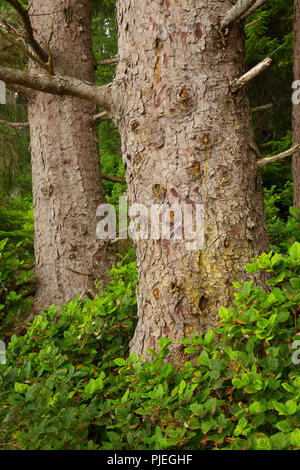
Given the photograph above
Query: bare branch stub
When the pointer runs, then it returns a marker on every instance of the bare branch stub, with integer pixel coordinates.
(15, 124)
(113, 179)
(28, 30)
(264, 107)
(100, 117)
(265, 161)
(110, 61)
(252, 73)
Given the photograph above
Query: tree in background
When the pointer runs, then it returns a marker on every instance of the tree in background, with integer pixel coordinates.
(66, 178)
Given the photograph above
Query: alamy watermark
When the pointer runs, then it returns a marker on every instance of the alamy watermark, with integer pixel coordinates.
(158, 221)
(296, 354)
(296, 93)
(2, 353)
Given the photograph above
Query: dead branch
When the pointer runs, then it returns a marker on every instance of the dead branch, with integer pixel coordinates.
(113, 60)
(262, 108)
(264, 161)
(29, 34)
(100, 117)
(252, 73)
(236, 12)
(56, 85)
(23, 48)
(14, 124)
(113, 179)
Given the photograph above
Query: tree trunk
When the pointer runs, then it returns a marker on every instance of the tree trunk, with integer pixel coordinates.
(187, 138)
(67, 185)
(296, 108)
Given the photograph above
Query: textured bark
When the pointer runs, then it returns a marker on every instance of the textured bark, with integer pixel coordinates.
(296, 109)
(66, 176)
(187, 138)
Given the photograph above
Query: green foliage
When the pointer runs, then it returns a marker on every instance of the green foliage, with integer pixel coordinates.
(16, 222)
(15, 169)
(68, 383)
(283, 220)
(15, 286)
(56, 370)
(270, 34)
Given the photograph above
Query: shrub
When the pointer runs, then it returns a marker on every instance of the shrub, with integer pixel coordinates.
(15, 285)
(69, 383)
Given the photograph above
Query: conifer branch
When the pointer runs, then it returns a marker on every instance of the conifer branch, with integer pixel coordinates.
(28, 31)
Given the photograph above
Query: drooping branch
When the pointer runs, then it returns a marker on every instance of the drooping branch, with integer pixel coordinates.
(113, 179)
(264, 161)
(251, 10)
(252, 73)
(23, 48)
(26, 92)
(113, 60)
(236, 12)
(29, 34)
(262, 108)
(15, 124)
(56, 85)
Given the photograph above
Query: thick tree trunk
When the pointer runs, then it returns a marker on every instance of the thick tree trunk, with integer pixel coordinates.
(66, 176)
(187, 139)
(296, 109)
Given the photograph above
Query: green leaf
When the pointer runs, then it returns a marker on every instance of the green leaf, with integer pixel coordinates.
(295, 438)
(252, 268)
(120, 361)
(284, 426)
(278, 441)
(295, 282)
(209, 337)
(291, 407)
(166, 370)
(204, 358)
(263, 443)
(125, 396)
(294, 251)
(21, 388)
(164, 342)
(255, 408)
(197, 409)
(181, 387)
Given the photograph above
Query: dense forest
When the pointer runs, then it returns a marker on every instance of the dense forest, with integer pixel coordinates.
(117, 333)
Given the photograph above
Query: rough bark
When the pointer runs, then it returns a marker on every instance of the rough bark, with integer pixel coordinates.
(296, 108)
(66, 176)
(187, 138)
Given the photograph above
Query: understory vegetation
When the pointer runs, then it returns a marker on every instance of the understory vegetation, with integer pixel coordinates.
(68, 382)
